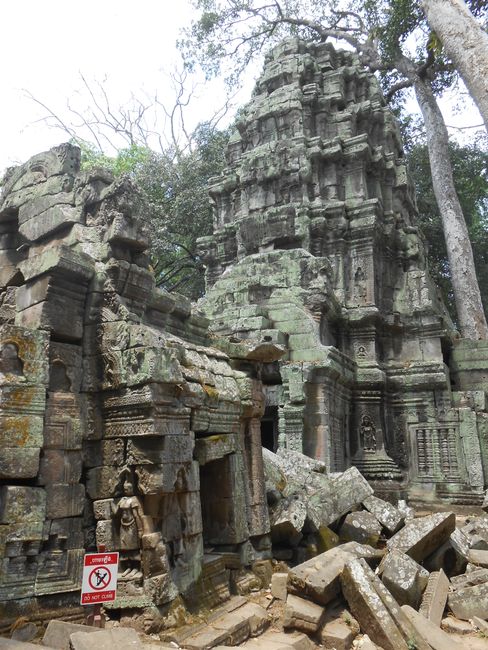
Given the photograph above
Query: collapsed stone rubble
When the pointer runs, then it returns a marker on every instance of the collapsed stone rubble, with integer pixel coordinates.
(353, 595)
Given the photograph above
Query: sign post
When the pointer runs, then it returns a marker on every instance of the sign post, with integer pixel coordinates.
(99, 578)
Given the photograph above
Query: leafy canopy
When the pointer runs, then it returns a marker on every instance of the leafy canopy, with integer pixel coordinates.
(174, 185)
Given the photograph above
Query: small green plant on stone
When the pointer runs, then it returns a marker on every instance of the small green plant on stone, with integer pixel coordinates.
(412, 644)
(347, 619)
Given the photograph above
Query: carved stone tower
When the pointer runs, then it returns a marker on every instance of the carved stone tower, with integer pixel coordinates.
(315, 247)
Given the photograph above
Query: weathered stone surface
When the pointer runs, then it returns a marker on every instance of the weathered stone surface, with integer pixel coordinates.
(388, 516)
(420, 537)
(479, 558)
(429, 632)
(123, 638)
(302, 614)
(57, 634)
(469, 601)
(370, 612)
(12, 644)
(337, 634)
(404, 578)
(435, 597)
(361, 527)
(319, 578)
(279, 585)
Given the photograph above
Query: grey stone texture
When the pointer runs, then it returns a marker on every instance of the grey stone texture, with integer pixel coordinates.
(105, 376)
(404, 578)
(316, 246)
(421, 537)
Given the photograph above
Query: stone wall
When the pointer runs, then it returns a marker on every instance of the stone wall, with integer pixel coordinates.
(113, 402)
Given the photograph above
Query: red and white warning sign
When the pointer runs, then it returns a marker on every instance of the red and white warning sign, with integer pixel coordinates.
(99, 578)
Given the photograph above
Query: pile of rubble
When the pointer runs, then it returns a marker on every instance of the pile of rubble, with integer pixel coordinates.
(387, 579)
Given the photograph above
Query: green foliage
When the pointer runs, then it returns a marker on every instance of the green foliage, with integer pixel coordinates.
(470, 168)
(174, 185)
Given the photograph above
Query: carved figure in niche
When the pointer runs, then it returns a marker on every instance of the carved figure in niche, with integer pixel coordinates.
(360, 285)
(368, 433)
(129, 514)
(361, 353)
(10, 363)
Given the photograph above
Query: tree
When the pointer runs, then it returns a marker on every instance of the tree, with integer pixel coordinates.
(178, 210)
(237, 30)
(170, 165)
(465, 42)
(470, 167)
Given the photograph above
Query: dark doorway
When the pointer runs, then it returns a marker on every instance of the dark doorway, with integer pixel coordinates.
(269, 428)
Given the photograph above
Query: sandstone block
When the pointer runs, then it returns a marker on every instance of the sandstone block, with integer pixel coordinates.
(279, 585)
(122, 638)
(19, 463)
(420, 537)
(366, 606)
(389, 516)
(404, 578)
(470, 601)
(21, 504)
(57, 634)
(429, 632)
(318, 578)
(435, 597)
(337, 635)
(63, 500)
(362, 527)
(302, 614)
(478, 557)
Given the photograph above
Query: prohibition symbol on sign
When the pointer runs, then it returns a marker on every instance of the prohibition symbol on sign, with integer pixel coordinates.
(99, 578)
(99, 582)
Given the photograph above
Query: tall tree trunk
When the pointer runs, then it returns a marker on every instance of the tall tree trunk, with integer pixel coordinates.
(471, 317)
(466, 44)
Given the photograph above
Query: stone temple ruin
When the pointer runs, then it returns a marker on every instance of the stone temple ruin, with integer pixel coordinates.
(131, 419)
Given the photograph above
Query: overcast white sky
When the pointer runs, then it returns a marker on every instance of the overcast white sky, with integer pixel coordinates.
(44, 45)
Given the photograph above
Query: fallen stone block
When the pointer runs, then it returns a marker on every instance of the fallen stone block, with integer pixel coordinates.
(469, 579)
(451, 556)
(470, 601)
(318, 578)
(435, 597)
(337, 635)
(480, 558)
(362, 527)
(279, 585)
(12, 644)
(455, 626)
(401, 620)
(293, 639)
(206, 639)
(25, 632)
(421, 537)
(404, 578)
(429, 631)
(477, 533)
(367, 607)
(366, 644)
(388, 516)
(122, 638)
(287, 519)
(340, 495)
(480, 624)
(302, 614)
(57, 634)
